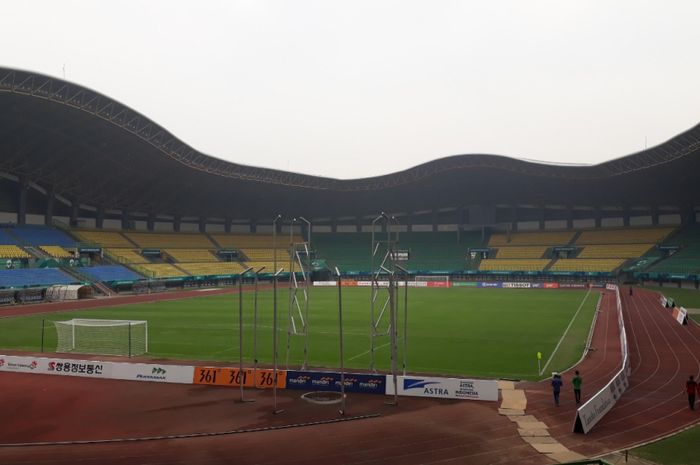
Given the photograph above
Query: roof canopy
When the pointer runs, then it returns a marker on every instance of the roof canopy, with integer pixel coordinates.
(95, 151)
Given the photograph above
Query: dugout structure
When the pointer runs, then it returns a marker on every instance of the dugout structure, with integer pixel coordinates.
(102, 337)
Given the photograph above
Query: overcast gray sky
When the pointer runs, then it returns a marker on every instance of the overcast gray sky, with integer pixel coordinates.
(357, 88)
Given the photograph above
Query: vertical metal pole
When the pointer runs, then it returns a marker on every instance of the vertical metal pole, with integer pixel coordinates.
(42, 335)
(405, 323)
(307, 280)
(241, 374)
(392, 316)
(340, 327)
(276, 272)
(274, 342)
(255, 329)
(292, 291)
(129, 339)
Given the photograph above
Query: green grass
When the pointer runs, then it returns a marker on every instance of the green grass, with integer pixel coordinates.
(475, 332)
(680, 449)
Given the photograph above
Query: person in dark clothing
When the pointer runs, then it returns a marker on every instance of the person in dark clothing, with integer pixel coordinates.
(556, 387)
(630, 291)
(576, 382)
(690, 387)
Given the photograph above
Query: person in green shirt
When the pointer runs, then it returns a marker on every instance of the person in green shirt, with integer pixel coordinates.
(576, 382)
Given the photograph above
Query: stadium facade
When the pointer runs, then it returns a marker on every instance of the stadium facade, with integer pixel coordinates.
(73, 154)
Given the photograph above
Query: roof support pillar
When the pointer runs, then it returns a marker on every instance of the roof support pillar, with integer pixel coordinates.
(409, 221)
(598, 216)
(435, 220)
(22, 201)
(358, 223)
(655, 215)
(125, 220)
(100, 219)
(254, 226)
(569, 217)
(150, 221)
(50, 200)
(543, 215)
(625, 216)
(227, 225)
(202, 224)
(74, 209)
(334, 226)
(514, 218)
(177, 223)
(688, 215)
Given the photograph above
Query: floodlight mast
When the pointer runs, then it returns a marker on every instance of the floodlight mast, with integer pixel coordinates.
(241, 377)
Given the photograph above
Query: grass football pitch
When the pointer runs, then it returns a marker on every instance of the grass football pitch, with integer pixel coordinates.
(488, 333)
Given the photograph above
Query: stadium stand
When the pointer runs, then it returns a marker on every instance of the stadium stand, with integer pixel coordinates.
(513, 265)
(521, 252)
(615, 251)
(12, 251)
(548, 238)
(110, 273)
(190, 255)
(104, 238)
(39, 235)
(254, 241)
(160, 270)
(687, 259)
(170, 240)
(624, 236)
(347, 251)
(588, 265)
(126, 255)
(217, 268)
(26, 277)
(55, 251)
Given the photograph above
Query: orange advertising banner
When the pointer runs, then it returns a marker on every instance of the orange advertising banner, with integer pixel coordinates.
(224, 376)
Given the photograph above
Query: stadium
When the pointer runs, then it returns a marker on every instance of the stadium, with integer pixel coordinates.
(471, 269)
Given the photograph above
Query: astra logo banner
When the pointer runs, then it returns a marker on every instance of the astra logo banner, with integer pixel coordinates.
(445, 388)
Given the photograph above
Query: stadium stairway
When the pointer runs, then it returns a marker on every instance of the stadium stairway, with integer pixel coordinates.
(213, 241)
(96, 285)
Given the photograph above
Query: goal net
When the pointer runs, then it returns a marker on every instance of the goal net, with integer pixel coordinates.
(102, 337)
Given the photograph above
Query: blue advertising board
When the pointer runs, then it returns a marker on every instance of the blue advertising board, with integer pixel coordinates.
(330, 381)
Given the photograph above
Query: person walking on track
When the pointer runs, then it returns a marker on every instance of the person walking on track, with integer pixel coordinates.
(556, 387)
(576, 382)
(690, 387)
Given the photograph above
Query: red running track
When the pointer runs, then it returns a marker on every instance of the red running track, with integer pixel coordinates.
(418, 431)
(662, 353)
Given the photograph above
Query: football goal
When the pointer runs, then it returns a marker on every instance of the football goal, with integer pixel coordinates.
(102, 337)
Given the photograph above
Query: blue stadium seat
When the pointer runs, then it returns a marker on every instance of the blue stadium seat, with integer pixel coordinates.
(110, 273)
(39, 235)
(25, 277)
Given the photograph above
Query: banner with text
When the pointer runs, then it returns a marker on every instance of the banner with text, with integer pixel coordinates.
(225, 376)
(444, 388)
(330, 381)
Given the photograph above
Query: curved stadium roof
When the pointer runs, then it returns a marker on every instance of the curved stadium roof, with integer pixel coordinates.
(94, 150)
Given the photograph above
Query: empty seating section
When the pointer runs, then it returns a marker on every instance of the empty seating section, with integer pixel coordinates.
(40, 235)
(347, 251)
(6, 238)
(104, 238)
(126, 255)
(624, 236)
(12, 251)
(548, 238)
(255, 241)
(110, 273)
(190, 255)
(436, 250)
(521, 252)
(589, 265)
(513, 264)
(55, 251)
(687, 259)
(615, 251)
(204, 269)
(160, 270)
(27, 277)
(170, 240)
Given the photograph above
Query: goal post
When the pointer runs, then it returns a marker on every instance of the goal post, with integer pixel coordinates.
(102, 337)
